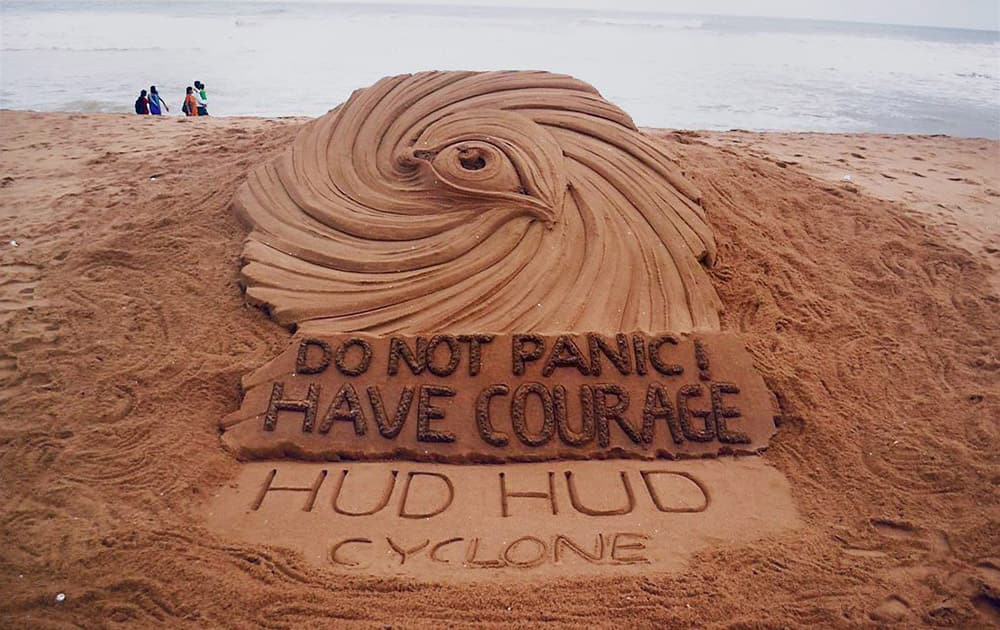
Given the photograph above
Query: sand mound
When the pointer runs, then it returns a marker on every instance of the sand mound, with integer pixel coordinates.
(477, 202)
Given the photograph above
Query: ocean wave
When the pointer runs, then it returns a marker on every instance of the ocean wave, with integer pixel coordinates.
(83, 49)
(94, 106)
(638, 22)
(975, 75)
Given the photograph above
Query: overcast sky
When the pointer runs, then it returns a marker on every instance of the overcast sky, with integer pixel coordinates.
(979, 14)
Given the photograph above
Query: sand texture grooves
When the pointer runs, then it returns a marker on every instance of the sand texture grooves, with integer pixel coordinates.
(477, 202)
(123, 337)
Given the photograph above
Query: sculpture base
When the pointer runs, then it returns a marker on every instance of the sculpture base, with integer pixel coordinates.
(518, 521)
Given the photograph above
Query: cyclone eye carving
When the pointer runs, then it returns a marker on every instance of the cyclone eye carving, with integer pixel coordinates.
(472, 158)
(472, 167)
(474, 202)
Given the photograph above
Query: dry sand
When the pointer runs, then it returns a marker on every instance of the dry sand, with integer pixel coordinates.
(123, 336)
(947, 182)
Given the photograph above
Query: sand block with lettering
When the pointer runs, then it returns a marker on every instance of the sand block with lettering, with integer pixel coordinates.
(514, 521)
(503, 397)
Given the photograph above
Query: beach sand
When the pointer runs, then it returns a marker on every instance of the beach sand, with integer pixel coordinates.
(869, 305)
(946, 182)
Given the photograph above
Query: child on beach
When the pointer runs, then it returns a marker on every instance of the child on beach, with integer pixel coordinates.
(190, 107)
(155, 102)
(201, 98)
(142, 103)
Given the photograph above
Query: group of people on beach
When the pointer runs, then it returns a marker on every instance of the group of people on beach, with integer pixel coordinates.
(195, 101)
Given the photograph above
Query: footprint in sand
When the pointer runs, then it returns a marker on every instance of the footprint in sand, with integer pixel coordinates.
(891, 610)
(17, 289)
(18, 282)
(939, 566)
(8, 365)
(987, 600)
(935, 542)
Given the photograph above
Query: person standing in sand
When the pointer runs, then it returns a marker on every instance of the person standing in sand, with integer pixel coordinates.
(156, 104)
(201, 98)
(142, 103)
(190, 107)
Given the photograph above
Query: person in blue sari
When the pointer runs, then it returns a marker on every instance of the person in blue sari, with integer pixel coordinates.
(155, 102)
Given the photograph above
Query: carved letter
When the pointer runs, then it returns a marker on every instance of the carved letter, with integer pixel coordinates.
(475, 350)
(646, 474)
(472, 561)
(403, 552)
(532, 562)
(582, 509)
(427, 412)
(378, 507)
(620, 357)
(518, 411)
(454, 355)
(640, 354)
(520, 354)
(308, 407)
(406, 494)
(638, 546)
(398, 348)
(563, 541)
(302, 359)
(720, 413)
(658, 406)
(486, 431)
(366, 356)
(603, 413)
(684, 415)
(385, 428)
(587, 428)
(565, 353)
(313, 490)
(347, 541)
(664, 368)
(346, 396)
(442, 545)
(504, 494)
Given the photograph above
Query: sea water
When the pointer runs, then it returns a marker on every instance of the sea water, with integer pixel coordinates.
(680, 71)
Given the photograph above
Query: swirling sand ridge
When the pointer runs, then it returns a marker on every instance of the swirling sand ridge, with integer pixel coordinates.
(465, 201)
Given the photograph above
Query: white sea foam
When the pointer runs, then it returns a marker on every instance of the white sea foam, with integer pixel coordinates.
(288, 58)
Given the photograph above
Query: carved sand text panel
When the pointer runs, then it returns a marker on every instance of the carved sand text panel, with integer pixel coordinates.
(519, 397)
(516, 520)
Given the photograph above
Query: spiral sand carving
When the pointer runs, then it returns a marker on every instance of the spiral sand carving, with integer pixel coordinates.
(486, 202)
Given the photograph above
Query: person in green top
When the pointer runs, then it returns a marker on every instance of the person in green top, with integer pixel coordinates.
(201, 97)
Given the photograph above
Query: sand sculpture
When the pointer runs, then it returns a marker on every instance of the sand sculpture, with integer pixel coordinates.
(461, 253)
(477, 202)
(498, 285)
